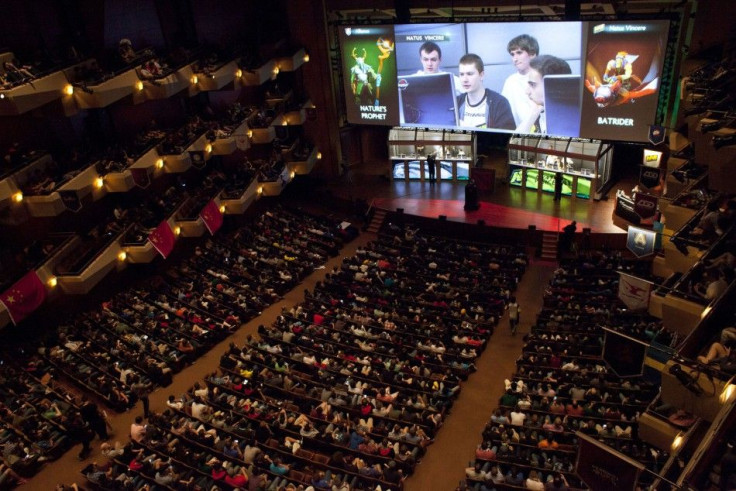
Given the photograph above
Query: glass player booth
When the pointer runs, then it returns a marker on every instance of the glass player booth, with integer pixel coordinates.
(583, 165)
(409, 148)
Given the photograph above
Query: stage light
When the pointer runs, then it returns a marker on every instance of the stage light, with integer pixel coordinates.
(177, 230)
(99, 182)
(195, 80)
(238, 73)
(160, 164)
(52, 282)
(139, 86)
(222, 209)
(18, 196)
(68, 89)
(122, 256)
(208, 148)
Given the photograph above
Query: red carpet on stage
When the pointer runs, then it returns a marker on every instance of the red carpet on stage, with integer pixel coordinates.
(494, 215)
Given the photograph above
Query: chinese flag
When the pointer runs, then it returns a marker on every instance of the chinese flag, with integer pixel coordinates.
(212, 217)
(163, 239)
(24, 297)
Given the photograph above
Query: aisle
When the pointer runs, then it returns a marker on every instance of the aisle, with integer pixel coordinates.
(443, 466)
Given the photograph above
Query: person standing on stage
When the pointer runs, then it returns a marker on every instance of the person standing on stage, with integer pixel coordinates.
(431, 167)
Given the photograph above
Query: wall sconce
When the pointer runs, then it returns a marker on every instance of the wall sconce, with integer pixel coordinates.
(18, 196)
(208, 148)
(260, 190)
(52, 282)
(160, 164)
(122, 256)
(306, 58)
(276, 70)
(69, 89)
(222, 209)
(291, 176)
(2, 96)
(284, 122)
(139, 86)
(99, 182)
(319, 155)
(677, 441)
(250, 133)
(195, 80)
(238, 73)
(728, 391)
(177, 230)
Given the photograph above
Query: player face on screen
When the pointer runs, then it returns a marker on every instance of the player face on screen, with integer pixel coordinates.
(471, 80)
(520, 59)
(535, 87)
(430, 61)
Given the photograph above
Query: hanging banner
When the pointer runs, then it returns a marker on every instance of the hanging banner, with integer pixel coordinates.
(603, 468)
(163, 239)
(657, 134)
(633, 291)
(645, 205)
(197, 157)
(640, 241)
(71, 200)
(141, 177)
(212, 217)
(25, 296)
(652, 158)
(649, 177)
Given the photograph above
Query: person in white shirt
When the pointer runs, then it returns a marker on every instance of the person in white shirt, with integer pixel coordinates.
(522, 49)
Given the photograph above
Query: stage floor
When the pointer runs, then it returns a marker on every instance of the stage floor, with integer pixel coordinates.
(506, 206)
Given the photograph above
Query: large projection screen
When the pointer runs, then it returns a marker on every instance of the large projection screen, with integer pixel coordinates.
(571, 79)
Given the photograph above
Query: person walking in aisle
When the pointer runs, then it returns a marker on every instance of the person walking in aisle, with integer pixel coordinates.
(514, 314)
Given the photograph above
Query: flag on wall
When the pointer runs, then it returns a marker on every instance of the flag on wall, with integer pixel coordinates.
(141, 177)
(212, 217)
(25, 296)
(604, 469)
(163, 239)
(633, 291)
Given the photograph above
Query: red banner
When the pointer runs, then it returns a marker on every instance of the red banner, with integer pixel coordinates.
(24, 297)
(163, 239)
(141, 177)
(212, 217)
(603, 468)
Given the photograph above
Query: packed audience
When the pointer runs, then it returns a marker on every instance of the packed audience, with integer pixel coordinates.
(563, 385)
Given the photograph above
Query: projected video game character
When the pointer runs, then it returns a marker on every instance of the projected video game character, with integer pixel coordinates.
(479, 107)
(364, 80)
(540, 66)
(523, 49)
(430, 54)
(385, 46)
(620, 69)
(617, 86)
